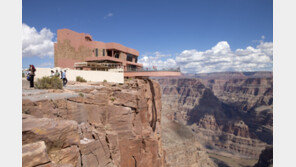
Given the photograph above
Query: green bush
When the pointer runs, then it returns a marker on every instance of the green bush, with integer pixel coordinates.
(105, 80)
(23, 75)
(49, 83)
(112, 99)
(80, 79)
(81, 94)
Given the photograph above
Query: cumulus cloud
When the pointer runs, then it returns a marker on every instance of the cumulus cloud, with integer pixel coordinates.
(108, 15)
(36, 43)
(222, 58)
(217, 59)
(45, 64)
(158, 59)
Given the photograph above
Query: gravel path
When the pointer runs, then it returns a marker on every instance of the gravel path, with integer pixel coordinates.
(34, 94)
(53, 96)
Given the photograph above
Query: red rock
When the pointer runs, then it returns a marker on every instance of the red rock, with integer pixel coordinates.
(34, 154)
(116, 125)
(55, 133)
(66, 156)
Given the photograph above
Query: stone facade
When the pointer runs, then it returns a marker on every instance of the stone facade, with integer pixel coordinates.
(72, 47)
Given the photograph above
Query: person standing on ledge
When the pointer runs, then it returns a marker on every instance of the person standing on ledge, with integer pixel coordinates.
(32, 74)
(57, 74)
(51, 73)
(64, 78)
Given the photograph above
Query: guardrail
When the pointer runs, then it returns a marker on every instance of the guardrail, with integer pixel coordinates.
(153, 70)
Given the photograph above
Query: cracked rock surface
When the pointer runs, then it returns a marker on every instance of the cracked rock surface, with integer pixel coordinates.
(97, 125)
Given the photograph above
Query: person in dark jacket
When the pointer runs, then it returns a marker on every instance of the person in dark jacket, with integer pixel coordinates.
(51, 73)
(32, 70)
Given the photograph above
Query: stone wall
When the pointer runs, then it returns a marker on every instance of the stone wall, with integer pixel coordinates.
(93, 76)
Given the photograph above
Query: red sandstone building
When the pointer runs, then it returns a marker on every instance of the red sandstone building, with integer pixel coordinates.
(78, 51)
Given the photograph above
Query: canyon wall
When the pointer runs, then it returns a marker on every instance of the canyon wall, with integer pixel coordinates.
(252, 98)
(231, 117)
(98, 125)
(170, 122)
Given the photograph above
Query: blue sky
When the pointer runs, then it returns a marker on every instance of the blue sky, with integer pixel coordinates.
(198, 36)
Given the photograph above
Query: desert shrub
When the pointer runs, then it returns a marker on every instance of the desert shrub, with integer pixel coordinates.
(81, 94)
(49, 83)
(112, 99)
(80, 79)
(105, 80)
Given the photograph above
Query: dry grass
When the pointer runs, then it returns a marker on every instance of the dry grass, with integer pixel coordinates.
(49, 83)
(80, 79)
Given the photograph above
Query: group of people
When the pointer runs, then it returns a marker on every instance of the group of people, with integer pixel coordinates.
(62, 75)
(31, 74)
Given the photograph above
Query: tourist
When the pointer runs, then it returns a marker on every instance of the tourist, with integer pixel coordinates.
(27, 72)
(64, 78)
(52, 73)
(57, 74)
(61, 74)
(32, 70)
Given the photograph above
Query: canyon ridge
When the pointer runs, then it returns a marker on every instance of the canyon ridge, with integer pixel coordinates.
(205, 120)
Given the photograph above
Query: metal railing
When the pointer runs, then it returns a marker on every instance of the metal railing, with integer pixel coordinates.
(153, 70)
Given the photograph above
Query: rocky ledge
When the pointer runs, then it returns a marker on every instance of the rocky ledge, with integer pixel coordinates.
(93, 126)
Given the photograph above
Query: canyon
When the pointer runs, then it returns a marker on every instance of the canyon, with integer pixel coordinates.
(231, 118)
(190, 121)
(102, 124)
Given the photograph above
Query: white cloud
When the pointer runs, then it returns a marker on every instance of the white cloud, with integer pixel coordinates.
(222, 58)
(156, 59)
(45, 64)
(108, 15)
(36, 43)
(217, 59)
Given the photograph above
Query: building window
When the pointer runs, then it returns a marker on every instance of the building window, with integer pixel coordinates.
(117, 55)
(97, 52)
(103, 52)
(136, 59)
(109, 53)
(129, 57)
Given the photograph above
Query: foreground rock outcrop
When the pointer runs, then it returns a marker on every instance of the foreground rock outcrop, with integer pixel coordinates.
(97, 125)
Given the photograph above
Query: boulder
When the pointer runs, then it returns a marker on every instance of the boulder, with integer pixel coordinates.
(69, 155)
(56, 133)
(34, 154)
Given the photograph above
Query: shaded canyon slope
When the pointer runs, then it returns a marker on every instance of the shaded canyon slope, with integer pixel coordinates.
(230, 117)
(102, 125)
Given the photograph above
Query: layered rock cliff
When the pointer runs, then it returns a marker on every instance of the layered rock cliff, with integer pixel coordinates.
(230, 117)
(253, 98)
(266, 158)
(94, 125)
(181, 148)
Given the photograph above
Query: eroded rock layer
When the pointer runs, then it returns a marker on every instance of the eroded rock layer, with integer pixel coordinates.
(104, 125)
(231, 117)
